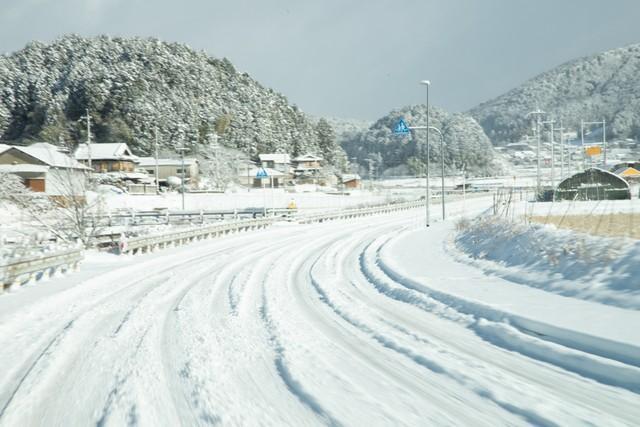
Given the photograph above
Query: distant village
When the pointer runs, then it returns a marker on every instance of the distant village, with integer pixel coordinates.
(46, 168)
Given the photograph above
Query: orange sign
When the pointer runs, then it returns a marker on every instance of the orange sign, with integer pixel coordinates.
(593, 150)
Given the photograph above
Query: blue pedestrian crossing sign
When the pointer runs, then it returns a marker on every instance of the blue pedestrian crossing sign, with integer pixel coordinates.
(262, 173)
(401, 128)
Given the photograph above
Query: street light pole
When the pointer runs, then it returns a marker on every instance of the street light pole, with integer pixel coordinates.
(157, 167)
(428, 128)
(427, 83)
(442, 158)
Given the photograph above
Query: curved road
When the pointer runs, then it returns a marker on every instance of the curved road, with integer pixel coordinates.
(287, 326)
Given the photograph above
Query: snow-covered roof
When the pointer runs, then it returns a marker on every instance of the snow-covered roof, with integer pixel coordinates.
(106, 151)
(307, 158)
(49, 155)
(151, 161)
(22, 167)
(4, 147)
(350, 177)
(627, 171)
(276, 158)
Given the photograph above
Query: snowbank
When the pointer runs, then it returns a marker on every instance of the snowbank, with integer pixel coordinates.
(560, 261)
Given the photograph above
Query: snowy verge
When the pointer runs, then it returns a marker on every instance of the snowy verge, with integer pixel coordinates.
(572, 264)
(590, 339)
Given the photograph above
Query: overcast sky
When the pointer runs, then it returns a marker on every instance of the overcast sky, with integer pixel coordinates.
(354, 59)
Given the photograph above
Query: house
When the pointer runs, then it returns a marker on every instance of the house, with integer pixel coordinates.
(171, 167)
(108, 157)
(244, 169)
(351, 180)
(307, 162)
(267, 177)
(44, 169)
(629, 173)
(277, 161)
(307, 168)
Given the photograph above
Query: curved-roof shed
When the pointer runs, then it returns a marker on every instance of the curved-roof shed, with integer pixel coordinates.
(593, 184)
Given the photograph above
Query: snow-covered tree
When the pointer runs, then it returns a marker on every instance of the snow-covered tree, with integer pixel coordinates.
(133, 85)
(602, 86)
(465, 142)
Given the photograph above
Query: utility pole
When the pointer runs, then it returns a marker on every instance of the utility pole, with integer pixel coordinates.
(537, 113)
(584, 160)
(553, 158)
(216, 164)
(89, 138)
(370, 161)
(561, 129)
(182, 150)
(604, 143)
(157, 166)
(464, 188)
(248, 166)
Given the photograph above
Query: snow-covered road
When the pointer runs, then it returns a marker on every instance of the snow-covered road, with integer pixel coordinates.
(294, 325)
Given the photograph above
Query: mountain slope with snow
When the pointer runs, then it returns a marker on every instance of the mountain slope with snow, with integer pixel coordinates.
(131, 86)
(601, 86)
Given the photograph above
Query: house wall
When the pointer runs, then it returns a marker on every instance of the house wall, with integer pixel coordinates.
(112, 165)
(309, 165)
(164, 171)
(354, 183)
(65, 182)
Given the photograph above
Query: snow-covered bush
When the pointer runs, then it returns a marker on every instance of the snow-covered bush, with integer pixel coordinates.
(557, 260)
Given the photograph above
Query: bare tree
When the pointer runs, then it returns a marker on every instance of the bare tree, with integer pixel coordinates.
(70, 215)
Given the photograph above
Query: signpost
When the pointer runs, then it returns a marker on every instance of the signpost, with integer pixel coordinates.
(261, 174)
(401, 128)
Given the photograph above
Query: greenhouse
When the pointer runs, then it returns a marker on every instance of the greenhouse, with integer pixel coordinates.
(593, 184)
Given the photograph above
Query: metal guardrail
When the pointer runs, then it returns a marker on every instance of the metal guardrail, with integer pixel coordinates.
(36, 267)
(166, 217)
(353, 213)
(142, 244)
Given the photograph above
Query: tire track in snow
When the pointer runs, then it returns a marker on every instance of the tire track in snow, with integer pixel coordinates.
(386, 313)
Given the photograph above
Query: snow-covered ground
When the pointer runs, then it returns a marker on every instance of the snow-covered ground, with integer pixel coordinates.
(256, 198)
(560, 261)
(592, 207)
(368, 321)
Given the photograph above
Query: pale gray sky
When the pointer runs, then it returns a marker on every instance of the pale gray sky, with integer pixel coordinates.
(354, 59)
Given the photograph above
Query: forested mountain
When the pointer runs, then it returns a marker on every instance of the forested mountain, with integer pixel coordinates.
(345, 129)
(131, 86)
(466, 145)
(603, 86)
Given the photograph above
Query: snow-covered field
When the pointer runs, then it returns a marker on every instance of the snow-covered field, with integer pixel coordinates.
(370, 321)
(256, 198)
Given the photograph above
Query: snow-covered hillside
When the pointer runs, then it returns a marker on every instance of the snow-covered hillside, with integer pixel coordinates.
(601, 86)
(133, 87)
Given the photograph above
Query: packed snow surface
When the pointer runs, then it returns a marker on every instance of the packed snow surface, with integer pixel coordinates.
(357, 322)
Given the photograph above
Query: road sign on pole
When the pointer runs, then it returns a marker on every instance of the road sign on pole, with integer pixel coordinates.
(401, 128)
(262, 173)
